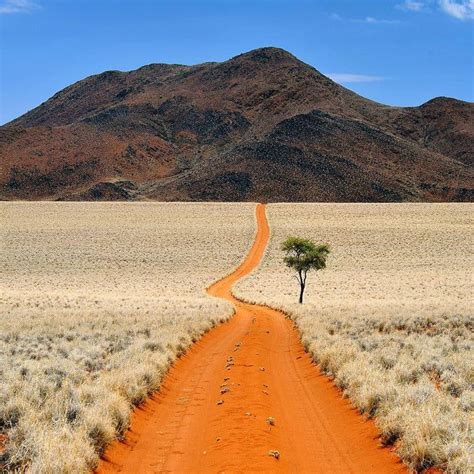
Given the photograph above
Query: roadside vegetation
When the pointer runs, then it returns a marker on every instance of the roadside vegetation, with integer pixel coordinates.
(97, 300)
(390, 319)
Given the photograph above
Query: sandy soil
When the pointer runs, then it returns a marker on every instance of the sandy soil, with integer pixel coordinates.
(245, 390)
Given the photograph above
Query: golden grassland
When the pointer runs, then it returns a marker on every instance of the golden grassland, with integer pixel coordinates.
(96, 301)
(390, 319)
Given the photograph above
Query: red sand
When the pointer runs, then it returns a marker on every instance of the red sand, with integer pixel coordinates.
(259, 365)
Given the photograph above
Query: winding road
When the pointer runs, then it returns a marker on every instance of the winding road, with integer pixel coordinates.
(247, 398)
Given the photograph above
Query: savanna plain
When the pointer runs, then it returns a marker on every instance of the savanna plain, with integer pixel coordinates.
(390, 318)
(98, 299)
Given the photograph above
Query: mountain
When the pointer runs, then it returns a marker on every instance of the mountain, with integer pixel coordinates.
(262, 126)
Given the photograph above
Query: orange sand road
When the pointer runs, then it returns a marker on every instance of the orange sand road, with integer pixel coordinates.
(256, 359)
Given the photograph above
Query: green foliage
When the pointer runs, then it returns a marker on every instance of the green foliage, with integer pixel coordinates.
(304, 255)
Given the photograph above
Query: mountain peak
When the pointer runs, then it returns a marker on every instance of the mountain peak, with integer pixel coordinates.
(267, 54)
(443, 101)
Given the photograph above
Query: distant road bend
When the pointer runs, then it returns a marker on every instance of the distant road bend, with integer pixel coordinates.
(245, 391)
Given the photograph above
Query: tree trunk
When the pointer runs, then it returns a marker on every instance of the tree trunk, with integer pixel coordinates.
(301, 292)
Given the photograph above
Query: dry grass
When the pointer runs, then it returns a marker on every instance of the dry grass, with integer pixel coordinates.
(390, 318)
(96, 301)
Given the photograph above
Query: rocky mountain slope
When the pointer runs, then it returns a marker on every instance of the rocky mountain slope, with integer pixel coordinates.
(262, 126)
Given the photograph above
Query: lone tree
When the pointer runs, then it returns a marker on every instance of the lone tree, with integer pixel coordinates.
(304, 255)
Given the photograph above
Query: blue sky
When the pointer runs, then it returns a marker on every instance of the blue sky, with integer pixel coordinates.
(400, 52)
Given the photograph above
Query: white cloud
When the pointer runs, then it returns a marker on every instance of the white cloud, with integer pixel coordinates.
(371, 19)
(17, 6)
(343, 78)
(412, 6)
(368, 19)
(462, 10)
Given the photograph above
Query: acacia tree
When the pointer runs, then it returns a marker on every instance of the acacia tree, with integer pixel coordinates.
(304, 255)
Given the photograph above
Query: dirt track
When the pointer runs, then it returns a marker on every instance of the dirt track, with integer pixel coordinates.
(211, 413)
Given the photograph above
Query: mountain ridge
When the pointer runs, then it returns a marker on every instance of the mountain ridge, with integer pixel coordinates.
(261, 126)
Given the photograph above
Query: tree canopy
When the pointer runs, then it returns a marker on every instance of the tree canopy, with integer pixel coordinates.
(304, 255)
